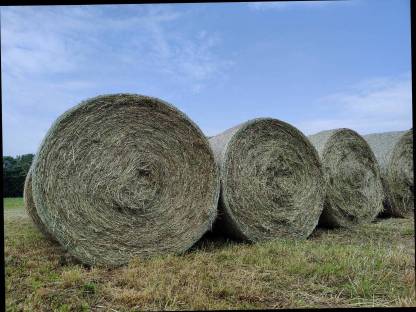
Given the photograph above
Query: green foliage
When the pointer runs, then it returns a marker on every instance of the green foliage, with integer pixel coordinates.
(14, 174)
(89, 288)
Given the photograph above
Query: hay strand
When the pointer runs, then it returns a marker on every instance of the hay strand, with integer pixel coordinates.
(271, 181)
(125, 175)
(354, 191)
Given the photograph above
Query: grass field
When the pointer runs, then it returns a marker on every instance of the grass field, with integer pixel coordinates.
(13, 202)
(368, 266)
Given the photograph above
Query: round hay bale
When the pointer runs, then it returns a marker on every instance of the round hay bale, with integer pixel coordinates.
(382, 144)
(354, 191)
(31, 208)
(400, 175)
(125, 175)
(271, 181)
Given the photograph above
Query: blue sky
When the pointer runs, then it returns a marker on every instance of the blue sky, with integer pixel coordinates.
(315, 65)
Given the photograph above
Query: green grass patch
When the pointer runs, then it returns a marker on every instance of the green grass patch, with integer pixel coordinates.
(13, 202)
(372, 265)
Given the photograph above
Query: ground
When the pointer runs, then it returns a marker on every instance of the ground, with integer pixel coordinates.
(371, 265)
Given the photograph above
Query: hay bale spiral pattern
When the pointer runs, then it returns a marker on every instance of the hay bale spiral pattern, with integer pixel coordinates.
(271, 181)
(125, 175)
(354, 191)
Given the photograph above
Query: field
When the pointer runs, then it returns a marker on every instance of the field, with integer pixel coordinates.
(13, 202)
(372, 265)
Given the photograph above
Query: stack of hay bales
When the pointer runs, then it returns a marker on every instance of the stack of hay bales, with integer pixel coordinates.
(354, 191)
(271, 181)
(124, 175)
(394, 152)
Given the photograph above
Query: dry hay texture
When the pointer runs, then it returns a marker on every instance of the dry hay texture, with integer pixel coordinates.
(31, 208)
(400, 175)
(271, 181)
(353, 182)
(382, 145)
(394, 150)
(125, 175)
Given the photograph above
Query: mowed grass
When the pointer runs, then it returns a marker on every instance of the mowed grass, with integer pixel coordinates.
(372, 265)
(13, 202)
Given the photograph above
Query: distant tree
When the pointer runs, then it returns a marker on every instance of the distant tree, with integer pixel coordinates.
(8, 162)
(14, 174)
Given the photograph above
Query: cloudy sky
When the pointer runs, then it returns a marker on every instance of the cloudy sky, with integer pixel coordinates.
(315, 65)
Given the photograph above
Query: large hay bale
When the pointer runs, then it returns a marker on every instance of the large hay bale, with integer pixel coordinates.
(271, 181)
(383, 145)
(395, 153)
(31, 208)
(125, 175)
(354, 191)
(400, 175)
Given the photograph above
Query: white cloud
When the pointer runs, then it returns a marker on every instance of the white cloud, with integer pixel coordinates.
(375, 105)
(64, 39)
(35, 40)
(54, 57)
(284, 5)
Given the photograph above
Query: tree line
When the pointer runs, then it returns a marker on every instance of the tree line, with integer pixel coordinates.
(14, 174)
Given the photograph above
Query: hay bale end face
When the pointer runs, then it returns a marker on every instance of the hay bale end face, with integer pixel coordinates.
(271, 181)
(31, 208)
(125, 175)
(354, 191)
(382, 144)
(400, 175)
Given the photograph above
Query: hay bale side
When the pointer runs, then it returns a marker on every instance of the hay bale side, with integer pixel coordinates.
(354, 191)
(125, 175)
(271, 181)
(382, 144)
(31, 208)
(400, 175)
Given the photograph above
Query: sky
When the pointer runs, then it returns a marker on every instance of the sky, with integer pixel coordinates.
(317, 66)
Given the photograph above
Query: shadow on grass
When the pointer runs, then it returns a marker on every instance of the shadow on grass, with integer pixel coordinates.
(213, 241)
